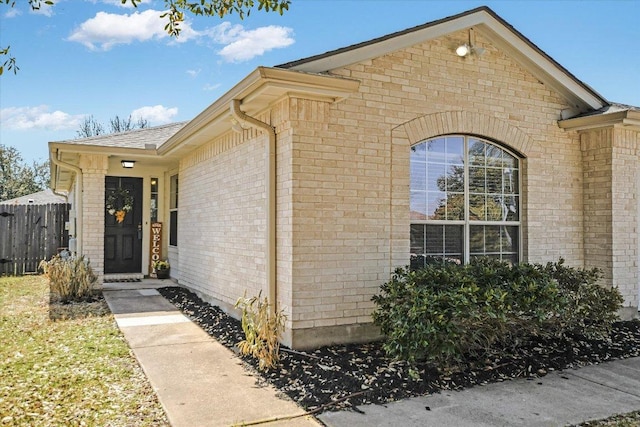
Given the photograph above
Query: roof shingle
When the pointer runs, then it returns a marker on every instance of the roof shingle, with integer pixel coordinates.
(138, 138)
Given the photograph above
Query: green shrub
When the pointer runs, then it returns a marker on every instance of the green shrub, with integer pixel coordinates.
(444, 312)
(72, 279)
(589, 309)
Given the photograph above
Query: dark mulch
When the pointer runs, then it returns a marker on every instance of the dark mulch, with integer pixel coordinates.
(345, 376)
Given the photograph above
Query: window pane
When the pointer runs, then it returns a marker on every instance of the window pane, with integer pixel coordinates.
(436, 150)
(496, 241)
(455, 207)
(417, 239)
(495, 208)
(509, 239)
(509, 161)
(418, 205)
(476, 239)
(477, 211)
(494, 180)
(455, 178)
(418, 176)
(476, 152)
(511, 206)
(493, 155)
(455, 150)
(453, 241)
(153, 214)
(434, 239)
(173, 192)
(419, 152)
(436, 205)
(436, 177)
(510, 177)
(173, 228)
(477, 180)
(491, 239)
(443, 242)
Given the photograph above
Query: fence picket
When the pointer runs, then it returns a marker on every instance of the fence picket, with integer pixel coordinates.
(29, 234)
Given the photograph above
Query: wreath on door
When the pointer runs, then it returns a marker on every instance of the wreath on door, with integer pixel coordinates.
(119, 202)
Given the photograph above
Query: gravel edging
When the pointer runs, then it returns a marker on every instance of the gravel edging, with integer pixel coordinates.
(345, 376)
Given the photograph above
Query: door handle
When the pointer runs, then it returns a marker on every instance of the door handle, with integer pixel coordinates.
(140, 231)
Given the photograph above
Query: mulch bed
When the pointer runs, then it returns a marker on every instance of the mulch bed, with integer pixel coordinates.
(345, 376)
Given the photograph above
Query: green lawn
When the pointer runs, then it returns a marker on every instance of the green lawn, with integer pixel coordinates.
(67, 365)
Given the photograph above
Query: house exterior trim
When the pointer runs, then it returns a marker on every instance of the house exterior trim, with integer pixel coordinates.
(626, 118)
(487, 22)
(259, 90)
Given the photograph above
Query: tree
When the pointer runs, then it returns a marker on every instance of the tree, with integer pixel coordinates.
(91, 127)
(174, 15)
(122, 125)
(18, 179)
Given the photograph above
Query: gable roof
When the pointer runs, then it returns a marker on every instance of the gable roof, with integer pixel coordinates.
(137, 144)
(312, 76)
(500, 33)
(139, 139)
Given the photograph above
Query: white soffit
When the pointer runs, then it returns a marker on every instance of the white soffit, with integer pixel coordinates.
(257, 92)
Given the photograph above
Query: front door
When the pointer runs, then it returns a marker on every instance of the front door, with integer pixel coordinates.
(123, 225)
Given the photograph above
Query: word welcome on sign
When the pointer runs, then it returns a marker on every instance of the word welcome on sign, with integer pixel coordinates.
(156, 244)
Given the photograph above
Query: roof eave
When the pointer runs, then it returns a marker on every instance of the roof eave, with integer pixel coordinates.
(499, 32)
(100, 149)
(258, 90)
(627, 118)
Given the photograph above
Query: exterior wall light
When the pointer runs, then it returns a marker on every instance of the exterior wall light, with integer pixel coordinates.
(128, 164)
(463, 50)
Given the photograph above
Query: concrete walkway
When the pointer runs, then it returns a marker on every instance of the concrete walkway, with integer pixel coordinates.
(557, 399)
(199, 382)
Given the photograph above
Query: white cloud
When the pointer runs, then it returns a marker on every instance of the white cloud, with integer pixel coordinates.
(244, 45)
(12, 13)
(27, 118)
(108, 29)
(156, 115)
(194, 73)
(209, 86)
(45, 9)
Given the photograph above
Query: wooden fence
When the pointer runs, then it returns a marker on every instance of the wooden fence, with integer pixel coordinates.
(29, 234)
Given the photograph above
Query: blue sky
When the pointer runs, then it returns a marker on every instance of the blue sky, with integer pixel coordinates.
(98, 58)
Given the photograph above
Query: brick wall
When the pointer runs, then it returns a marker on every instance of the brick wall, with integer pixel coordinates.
(351, 169)
(222, 219)
(343, 186)
(625, 215)
(611, 182)
(94, 169)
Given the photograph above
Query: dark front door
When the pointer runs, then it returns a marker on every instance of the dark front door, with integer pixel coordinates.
(123, 225)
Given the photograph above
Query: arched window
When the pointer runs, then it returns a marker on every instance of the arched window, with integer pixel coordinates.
(465, 201)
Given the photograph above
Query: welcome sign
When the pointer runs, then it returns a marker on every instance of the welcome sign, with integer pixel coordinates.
(156, 244)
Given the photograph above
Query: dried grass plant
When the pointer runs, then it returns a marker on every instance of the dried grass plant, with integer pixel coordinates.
(262, 329)
(71, 279)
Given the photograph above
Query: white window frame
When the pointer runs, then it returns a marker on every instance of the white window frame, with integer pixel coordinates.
(173, 207)
(466, 222)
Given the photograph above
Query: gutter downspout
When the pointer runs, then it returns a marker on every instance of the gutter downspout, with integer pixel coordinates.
(271, 196)
(78, 197)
